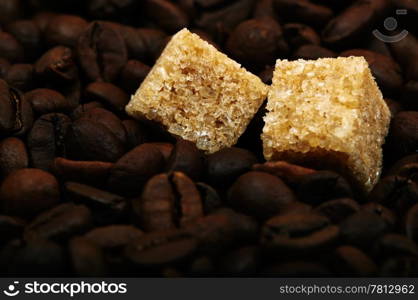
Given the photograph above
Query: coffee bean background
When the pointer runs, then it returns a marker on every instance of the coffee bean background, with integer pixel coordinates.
(85, 190)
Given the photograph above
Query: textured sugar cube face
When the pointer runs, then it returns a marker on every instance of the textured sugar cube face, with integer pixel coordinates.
(198, 93)
(328, 112)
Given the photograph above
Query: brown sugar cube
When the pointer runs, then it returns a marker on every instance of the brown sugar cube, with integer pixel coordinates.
(327, 113)
(198, 93)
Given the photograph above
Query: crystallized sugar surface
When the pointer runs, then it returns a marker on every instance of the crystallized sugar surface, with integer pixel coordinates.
(327, 112)
(198, 93)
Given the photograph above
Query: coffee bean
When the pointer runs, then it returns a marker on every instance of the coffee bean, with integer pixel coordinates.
(290, 173)
(403, 134)
(161, 248)
(10, 48)
(167, 202)
(132, 75)
(264, 9)
(108, 94)
(10, 227)
(64, 30)
(85, 107)
(105, 9)
(224, 166)
(186, 158)
(385, 213)
(20, 76)
(295, 207)
(13, 156)
(133, 169)
(313, 52)
(28, 34)
(354, 22)
(46, 101)
(46, 139)
(113, 236)
(363, 228)
(298, 233)
(259, 194)
(88, 139)
(10, 10)
(410, 95)
(411, 223)
(154, 42)
(339, 209)
(321, 186)
(4, 67)
(394, 107)
(257, 41)
(59, 223)
(241, 262)
(42, 19)
(387, 72)
(266, 75)
(351, 261)
(136, 134)
(57, 65)
(298, 34)
(102, 52)
(211, 200)
(167, 14)
(26, 192)
(405, 52)
(393, 245)
(87, 259)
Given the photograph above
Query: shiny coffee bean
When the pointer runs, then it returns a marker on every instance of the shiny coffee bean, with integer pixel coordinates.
(259, 194)
(107, 94)
(167, 15)
(403, 134)
(298, 233)
(21, 77)
(64, 30)
(46, 101)
(26, 192)
(113, 236)
(59, 223)
(339, 209)
(136, 134)
(132, 75)
(290, 173)
(224, 166)
(13, 156)
(46, 140)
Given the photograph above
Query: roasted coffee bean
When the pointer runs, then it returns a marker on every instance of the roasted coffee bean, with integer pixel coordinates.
(303, 11)
(363, 228)
(46, 101)
(82, 108)
(10, 10)
(354, 22)
(10, 227)
(385, 213)
(113, 236)
(154, 42)
(105, 9)
(88, 139)
(224, 166)
(403, 134)
(387, 72)
(10, 48)
(46, 139)
(108, 94)
(136, 135)
(398, 167)
(20, 76)
(210, 198)
(26, 192)
(411, 223)
(321, 186)
(410, 95)
(42, 19)
(296, 207)
(396, 192)
(298, 233)
(186, 158)
(405, 52)
(57, 65)
(167, 15)
(93, 172)
(13, 156)
(259, 194)
(223, 230)
(133, 169)
(38, 258)
(59, 223)
(393, 245)
(161, 248)
(64, 30)
(394, 107)
(313, 52)
(257, 41)
(102, 52)
(4, 67)
(399, 267)
(168, 201)
(298, 269)
(298, 35)
(132, 75)
(107, 207)
(241, 262)
(86, 258)
(28, 34)
(350, 261)
(288, 172)
(264, 9)
(338, 210)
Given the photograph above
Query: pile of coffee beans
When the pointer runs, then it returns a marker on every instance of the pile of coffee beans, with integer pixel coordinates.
(85, 190)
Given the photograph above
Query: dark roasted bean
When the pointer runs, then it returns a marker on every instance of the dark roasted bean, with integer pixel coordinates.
(132, 75)
(259, 194)
(108, 94)
(298, 35)
(46, 139)
(210, 198)
(403, 134)
(10, 48)
(350, 261)
(392, 245)
(113, 236)
(26, 192)
(410, 95)
(312, 52)
(46, 101)
(339, 209)
(385, 213)
(136, 135)
(59, 223)
(241, 262)
(102, 52)
(28, 34)
(288, 172)
(105, 9)
(20, 76)
(13, 156)
(87, 259)
(167, 14)
(10, 10)
(405, 52)
(64, 30)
